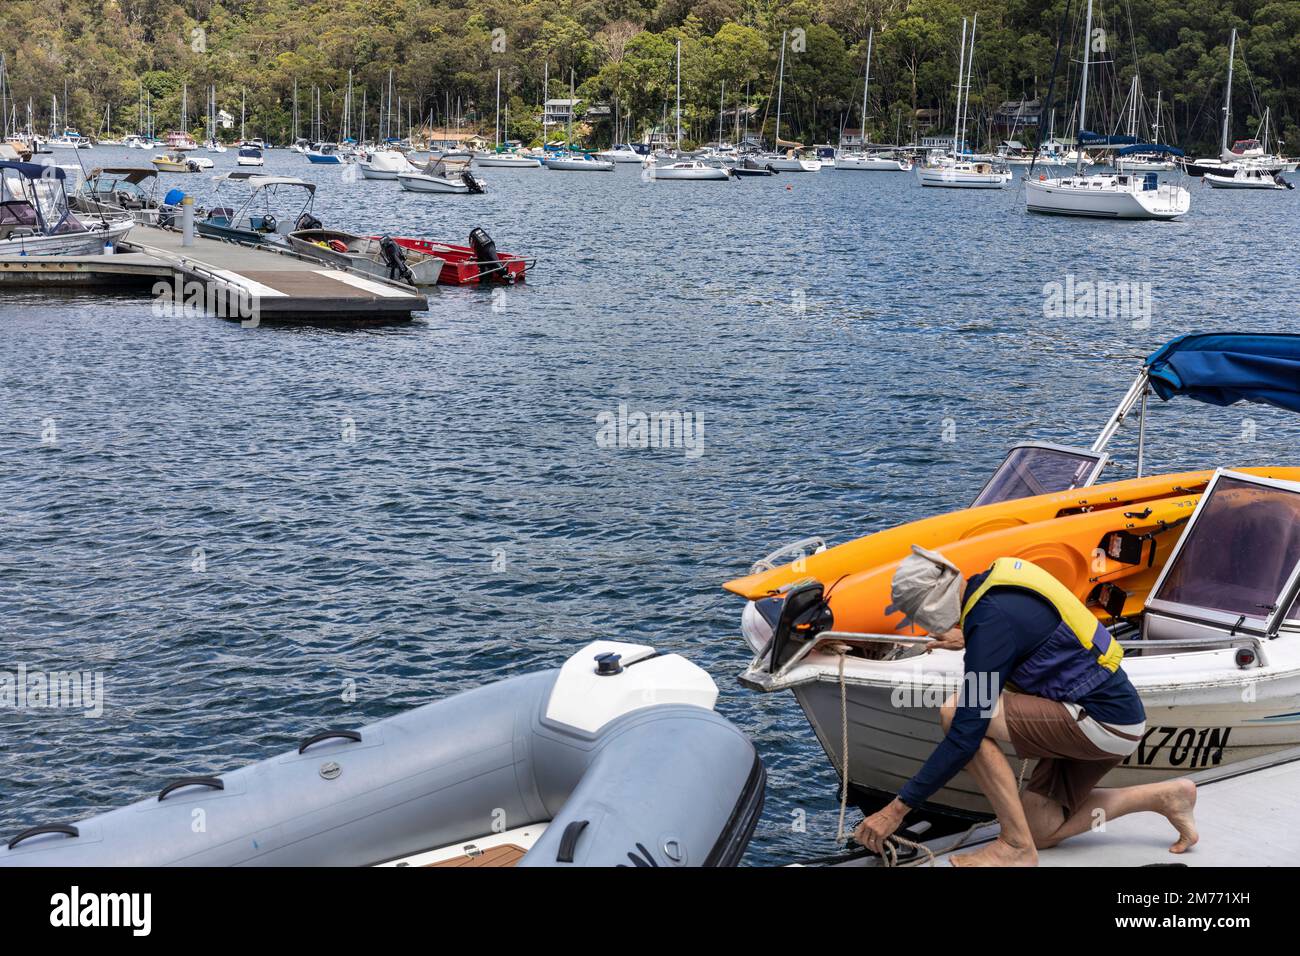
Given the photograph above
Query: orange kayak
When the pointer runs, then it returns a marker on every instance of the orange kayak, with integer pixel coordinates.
(1072, 549)
(893, 544)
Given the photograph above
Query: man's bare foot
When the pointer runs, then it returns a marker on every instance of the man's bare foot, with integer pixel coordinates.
(1178, 804)
(998, 853)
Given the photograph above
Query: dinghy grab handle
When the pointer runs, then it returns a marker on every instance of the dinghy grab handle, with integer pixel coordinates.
(351, 735)
(180, 782)
(63, 828)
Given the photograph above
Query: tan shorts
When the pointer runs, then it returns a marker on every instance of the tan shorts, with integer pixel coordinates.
(1072, 757)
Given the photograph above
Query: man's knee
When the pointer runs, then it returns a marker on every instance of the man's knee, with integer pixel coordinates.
(947, 711)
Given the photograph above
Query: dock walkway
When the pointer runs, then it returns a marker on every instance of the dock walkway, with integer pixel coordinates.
(277, 285)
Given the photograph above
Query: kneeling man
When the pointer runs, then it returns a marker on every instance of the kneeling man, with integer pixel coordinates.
(1043, 675)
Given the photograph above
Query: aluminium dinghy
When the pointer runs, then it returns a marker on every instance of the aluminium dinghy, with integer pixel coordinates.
(614, 759)
(1196, 574)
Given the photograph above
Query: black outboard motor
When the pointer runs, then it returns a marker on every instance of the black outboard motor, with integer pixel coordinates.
(490, 266)
(307, 221)
(804, 615)
(473, 182)
(395, 259)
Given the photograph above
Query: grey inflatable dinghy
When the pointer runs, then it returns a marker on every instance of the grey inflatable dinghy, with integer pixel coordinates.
(614, 759)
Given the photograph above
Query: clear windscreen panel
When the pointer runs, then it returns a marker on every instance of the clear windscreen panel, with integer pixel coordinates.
(1239, 552)
(1034, 470)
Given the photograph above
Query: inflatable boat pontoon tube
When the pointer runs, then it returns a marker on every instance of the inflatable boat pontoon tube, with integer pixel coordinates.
(614, 759)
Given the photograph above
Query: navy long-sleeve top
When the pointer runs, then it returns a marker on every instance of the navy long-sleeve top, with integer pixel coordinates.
(1004, 627)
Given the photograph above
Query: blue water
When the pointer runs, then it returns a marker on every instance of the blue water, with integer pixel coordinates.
(232, 523)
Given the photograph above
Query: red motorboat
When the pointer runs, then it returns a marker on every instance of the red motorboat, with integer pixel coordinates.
(472, 264)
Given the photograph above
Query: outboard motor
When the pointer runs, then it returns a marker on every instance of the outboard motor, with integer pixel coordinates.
(307, 221)
(490, 266)
(804, 614)
(395, 259)
(473, 182)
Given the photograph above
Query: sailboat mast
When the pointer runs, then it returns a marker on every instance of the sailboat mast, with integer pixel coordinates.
(961, 72)
(1083, 95)
(679, 96)
(780, 89)
(970, 71)
(568, 134)
(866, 83)
(497, 131)
(722, 107)
(1227, 97)
(1155, 128)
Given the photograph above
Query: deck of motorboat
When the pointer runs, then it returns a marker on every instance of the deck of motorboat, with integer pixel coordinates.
(284, 285)
(1244, 814)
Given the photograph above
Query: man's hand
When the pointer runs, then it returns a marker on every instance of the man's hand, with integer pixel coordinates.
(953, 640)
(879, 827)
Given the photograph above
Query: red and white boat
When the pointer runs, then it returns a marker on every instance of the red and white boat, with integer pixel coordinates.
(181, 142)
(472, 264)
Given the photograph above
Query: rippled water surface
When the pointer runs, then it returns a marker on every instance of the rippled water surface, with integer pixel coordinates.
(231, 523)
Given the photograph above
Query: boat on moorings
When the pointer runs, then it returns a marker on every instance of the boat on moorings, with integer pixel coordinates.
(1247, 177)
(36, 220)
(177, 163)
(385, 164)
(442, 175)
(1195, 574)
(615, 759)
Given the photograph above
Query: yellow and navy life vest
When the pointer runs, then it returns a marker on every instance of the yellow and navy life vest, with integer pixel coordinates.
(1079, 655)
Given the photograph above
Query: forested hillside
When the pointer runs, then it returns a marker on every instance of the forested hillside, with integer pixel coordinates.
(448, 52)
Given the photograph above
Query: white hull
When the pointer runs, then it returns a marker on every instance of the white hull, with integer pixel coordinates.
(72, 244)
(618, 156)
(419, 183)
(508, 162)
(1196, 722)
(688, 172)
(579, 165)
(872, 164)
(369, 172)
(1102, 197)
(246, 161)
(960, 179)
(1242, 182)
(783, 165)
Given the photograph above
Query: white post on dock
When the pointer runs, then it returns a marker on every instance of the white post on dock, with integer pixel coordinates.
(187, 221)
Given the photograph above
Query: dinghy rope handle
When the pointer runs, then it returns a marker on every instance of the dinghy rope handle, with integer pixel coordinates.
(889, 856)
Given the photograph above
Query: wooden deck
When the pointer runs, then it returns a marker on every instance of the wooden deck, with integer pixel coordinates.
(508, 854)
(232, 280)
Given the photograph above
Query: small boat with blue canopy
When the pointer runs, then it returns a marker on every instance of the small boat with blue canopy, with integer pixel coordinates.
(1195, 574)
(36, 219)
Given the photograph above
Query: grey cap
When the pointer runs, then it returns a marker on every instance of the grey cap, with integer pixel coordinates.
(927, 588)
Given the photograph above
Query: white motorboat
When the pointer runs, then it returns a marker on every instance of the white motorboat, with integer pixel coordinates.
(249, 156)
(1104, 195)
(35, 218)
(875, 161)
(508, 159)
(963, 174)
(120, 192)
(1199, 581)
(620, 153)
(134, 141)
(442, 176)
(686, 170)
(577, 162)
(385, 164)
(69, 139)
(1247, 177)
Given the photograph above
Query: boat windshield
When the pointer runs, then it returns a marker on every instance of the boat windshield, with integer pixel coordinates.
(1212, 570)
(1039, 470)
(52, 204)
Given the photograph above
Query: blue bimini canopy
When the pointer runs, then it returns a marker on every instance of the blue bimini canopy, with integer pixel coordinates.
(1149, 148)
(1088, 138)
(1233, 367)
(34, 170)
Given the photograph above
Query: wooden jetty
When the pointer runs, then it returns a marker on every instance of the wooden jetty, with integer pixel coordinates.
(1245, 815)
(276, 285)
